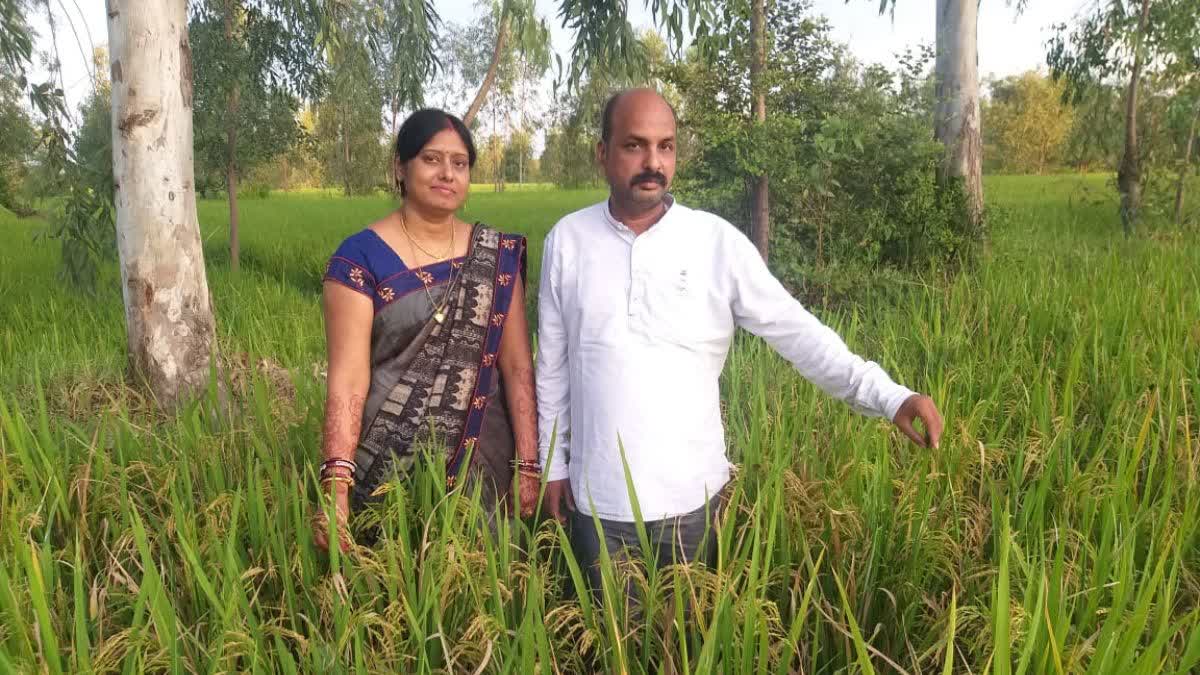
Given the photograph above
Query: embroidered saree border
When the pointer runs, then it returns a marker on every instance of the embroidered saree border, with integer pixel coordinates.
(510, 267)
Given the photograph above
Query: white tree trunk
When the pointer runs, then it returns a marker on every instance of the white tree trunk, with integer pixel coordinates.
(956, 77)
(168, 314)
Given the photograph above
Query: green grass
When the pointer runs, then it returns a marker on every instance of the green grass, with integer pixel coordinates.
(1055, 530)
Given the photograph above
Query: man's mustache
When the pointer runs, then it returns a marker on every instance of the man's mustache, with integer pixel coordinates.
(648, 176)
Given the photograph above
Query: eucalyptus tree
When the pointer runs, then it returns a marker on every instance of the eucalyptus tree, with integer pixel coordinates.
(956, 80)
(254, 59)
(403, 38)
(1181, 40)
(1121, 39)
(516, 33)
(956, 121)
(168, 315)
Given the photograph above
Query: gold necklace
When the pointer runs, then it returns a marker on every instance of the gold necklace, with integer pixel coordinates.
(415, 245)
(439, 309)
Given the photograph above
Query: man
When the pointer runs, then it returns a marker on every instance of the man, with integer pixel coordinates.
(639, 300)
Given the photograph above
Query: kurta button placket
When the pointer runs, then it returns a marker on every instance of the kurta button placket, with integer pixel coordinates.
(635, 290)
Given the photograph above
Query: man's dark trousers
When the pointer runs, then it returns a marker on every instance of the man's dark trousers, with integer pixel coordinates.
(686, 538)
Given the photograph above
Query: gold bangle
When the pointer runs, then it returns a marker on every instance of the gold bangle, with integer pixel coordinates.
(346, 480)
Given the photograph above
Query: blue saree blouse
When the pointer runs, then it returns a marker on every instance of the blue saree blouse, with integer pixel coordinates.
(365, 263)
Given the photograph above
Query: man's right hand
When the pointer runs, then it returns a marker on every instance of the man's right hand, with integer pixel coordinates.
(559, 500)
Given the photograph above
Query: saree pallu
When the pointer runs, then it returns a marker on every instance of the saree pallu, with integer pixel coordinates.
(439, 382)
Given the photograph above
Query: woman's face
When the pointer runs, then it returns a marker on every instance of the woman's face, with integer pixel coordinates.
(439, 176)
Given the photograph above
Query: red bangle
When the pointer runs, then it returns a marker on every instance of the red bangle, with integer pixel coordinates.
(336, 463)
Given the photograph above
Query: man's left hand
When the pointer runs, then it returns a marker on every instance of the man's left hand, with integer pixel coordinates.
(919, 406)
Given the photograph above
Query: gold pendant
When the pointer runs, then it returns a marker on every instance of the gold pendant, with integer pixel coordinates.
(439, 316)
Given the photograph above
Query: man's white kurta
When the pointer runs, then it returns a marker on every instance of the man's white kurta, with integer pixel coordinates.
(633, 332)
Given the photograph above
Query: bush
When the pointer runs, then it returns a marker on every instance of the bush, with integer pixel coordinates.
(12, 197)
(18, 137)
(871, 197)
(254, 190)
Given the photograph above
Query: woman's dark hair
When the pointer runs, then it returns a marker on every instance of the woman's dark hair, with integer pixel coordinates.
(423, 125)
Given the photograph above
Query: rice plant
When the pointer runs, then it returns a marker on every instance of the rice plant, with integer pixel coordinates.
(1054, 531)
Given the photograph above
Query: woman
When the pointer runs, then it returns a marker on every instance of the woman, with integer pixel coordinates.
(425, 323)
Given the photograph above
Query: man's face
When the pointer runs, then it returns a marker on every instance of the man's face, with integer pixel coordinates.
(639, 158)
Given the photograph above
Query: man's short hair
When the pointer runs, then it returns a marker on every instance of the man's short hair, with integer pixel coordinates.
(610, 106)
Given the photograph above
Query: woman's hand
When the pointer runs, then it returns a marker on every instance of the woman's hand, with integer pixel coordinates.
(529, 484)
(516, 370)
(320, 521)
(348, 316)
